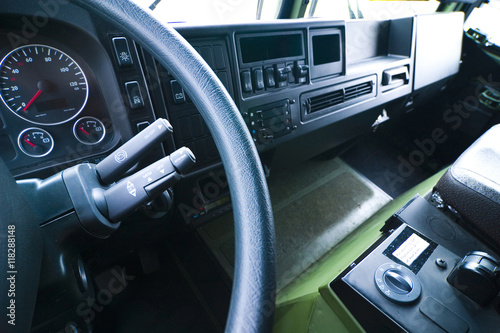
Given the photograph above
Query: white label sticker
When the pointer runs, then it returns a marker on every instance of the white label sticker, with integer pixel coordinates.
(411, 249)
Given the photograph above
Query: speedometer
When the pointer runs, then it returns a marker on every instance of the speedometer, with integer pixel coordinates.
(42, 84)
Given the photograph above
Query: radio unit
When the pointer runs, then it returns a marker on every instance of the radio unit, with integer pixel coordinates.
(270, 61)
(274, 60)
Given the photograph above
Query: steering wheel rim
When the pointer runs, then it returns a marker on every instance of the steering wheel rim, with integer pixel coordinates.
(254, 283)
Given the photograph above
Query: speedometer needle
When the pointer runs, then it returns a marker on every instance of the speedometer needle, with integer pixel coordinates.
(32, 100)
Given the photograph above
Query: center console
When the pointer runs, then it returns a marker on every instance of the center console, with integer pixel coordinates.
(436, 266)
(406, 282)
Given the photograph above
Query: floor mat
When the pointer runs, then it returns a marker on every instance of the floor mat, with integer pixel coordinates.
(378, 159)
(399, 156)
(316, 204)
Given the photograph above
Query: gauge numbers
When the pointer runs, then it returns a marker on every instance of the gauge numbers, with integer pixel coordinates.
(42, 85)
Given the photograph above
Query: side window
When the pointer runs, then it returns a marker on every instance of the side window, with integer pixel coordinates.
(485, 19)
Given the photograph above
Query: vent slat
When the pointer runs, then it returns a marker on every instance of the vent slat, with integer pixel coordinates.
(327, 100)
(358, 90)
(321, 102)
(319, 99)
(337, 97)
(318, 107)
(358, 93)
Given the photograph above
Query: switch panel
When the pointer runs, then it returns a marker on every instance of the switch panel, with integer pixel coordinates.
(270, 121)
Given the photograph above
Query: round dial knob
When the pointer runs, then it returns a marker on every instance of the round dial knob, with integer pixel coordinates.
(397, 283)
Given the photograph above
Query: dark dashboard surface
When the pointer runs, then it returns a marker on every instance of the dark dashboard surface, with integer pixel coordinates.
(302, 86)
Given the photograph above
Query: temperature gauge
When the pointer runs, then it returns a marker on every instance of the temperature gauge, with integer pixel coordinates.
(35, 142)
(89, 130)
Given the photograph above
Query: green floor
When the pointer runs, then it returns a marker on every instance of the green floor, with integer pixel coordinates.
(308, 304)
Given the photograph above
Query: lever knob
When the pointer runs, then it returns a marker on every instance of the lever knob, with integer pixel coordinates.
(124, 197)
(300, 72)
(115, 165)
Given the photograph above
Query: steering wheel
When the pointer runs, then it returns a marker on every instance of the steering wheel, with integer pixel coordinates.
(254, 284)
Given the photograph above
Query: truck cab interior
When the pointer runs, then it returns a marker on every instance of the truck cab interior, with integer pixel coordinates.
(249, 166)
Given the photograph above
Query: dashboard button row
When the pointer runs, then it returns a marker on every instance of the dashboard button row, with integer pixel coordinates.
(275, 76)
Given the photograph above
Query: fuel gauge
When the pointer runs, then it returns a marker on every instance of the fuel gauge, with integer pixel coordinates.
(35, 142)
(89, 130)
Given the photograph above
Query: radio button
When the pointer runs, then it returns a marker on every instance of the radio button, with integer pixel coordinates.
(270, 83)
(258, 79)
(246, 81)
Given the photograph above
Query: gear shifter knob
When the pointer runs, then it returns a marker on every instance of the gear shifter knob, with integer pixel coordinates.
(476, 276)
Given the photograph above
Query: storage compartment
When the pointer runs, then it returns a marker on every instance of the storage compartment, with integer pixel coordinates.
(438, 47)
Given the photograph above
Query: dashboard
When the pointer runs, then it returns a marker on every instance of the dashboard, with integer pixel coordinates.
(73, 90)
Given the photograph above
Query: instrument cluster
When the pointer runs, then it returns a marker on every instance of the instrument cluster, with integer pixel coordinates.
(52, 110)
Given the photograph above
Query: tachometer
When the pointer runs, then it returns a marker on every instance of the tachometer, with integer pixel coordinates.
(42, 85)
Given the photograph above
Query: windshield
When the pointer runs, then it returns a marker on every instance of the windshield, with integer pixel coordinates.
(367, 9)
(213, 11)
(231, 11)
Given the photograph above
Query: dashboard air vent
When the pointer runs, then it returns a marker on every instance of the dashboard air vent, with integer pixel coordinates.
(358, 90)
(336, 97)
(324, 101)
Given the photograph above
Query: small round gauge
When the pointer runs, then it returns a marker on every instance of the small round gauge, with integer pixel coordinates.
(35, 142)
(89, 130)
(42, 85)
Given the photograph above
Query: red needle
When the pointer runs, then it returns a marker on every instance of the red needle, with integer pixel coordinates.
(32, 100)
(30, 143)
(84, 131)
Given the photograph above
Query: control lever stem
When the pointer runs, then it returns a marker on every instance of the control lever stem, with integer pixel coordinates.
(115, 165)
(124, 197)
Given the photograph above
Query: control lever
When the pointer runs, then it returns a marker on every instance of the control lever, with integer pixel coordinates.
(300, 72)
(124, 197)
(115, 165)
(281, 75)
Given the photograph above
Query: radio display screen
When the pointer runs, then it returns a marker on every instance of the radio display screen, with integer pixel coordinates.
(326, 49)
(269, 47)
